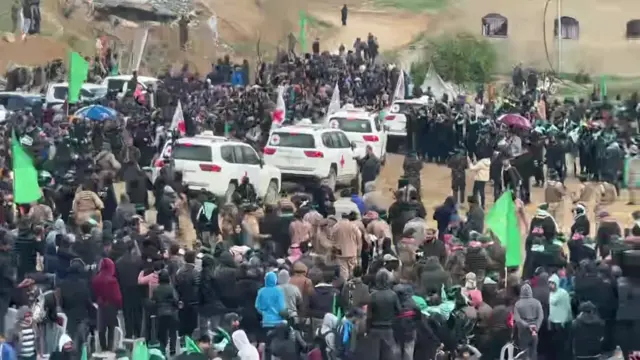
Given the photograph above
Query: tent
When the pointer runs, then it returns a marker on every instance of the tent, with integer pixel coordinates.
(438, 86)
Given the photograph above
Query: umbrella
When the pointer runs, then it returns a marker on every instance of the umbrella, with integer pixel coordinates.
(96, 112)
(515, 120)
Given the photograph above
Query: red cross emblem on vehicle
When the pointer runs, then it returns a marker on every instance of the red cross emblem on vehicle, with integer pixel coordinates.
(342, 161)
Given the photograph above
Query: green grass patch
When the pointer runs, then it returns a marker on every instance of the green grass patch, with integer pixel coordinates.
(413, 5)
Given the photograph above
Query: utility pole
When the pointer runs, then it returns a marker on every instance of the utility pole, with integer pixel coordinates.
(559, 10)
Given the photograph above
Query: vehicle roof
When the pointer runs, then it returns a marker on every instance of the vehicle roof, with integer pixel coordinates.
(305, 129)
(85, 85)
(353, 114)
(421, 100)
(128, 77)
(19, 93)
(205, 139)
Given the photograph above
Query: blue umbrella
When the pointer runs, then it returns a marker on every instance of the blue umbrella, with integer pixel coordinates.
(96, 112)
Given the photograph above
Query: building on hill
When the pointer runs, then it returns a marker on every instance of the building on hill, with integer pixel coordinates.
(598, 37)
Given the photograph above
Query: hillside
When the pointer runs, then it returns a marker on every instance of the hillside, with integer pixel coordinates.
(241, 25)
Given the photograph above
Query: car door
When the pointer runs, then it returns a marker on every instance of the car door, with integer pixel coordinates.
(252, 169)
(345, 156)
(331, 153)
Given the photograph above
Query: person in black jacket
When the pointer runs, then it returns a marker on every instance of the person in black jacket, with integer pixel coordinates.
(249, 282)
(433, 247)
(431, 277)
(7, 276)
(383, 309)
(495, 173)
(407, 322)
(226, 275)
(511, 179)
(581, 222)
(211, 307)
(26, 248)
(76, 301)
(369, 168)
(587, 331)
(187, 281)
(165, 302)
(127, 269)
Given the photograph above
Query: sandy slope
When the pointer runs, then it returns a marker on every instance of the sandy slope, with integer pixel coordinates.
(394, 29)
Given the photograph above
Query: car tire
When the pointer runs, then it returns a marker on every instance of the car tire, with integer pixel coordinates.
(228, 195)
(332, 179)
(271, 197)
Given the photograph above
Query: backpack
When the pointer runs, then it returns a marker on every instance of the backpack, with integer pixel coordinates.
(321, 341)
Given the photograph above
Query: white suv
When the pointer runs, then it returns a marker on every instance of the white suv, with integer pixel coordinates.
(219, 165)
(312, 151)
(395, 120)
(362, 128)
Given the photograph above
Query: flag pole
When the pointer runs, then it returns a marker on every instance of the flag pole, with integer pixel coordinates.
(505, 276)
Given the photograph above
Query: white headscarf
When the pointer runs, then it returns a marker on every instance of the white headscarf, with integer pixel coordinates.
(64, 339)
(246, 351)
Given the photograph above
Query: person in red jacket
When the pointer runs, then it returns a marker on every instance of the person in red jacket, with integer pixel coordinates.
(107, 292)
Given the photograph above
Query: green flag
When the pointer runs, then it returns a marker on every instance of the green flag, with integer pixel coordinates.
(78, 70)
(503, 222)
(140, 351)
(190, 346)
(303, 31)
(25, 176)
(603, 87)
(115, 70)
(84, 352)
(335, 308)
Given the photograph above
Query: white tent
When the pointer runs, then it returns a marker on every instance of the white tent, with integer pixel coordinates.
(438, 86)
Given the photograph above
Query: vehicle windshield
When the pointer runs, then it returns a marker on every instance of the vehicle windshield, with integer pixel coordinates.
(15, 103)
(191, 152)
(304, 141)
(402, 107)
(60, 93)
(353, 125)
(115, 85)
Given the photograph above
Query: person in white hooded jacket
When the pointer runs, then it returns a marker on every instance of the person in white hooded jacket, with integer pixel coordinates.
(481, 173)
(246, 351)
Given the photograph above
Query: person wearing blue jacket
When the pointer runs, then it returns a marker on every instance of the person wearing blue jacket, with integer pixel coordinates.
(237, 78)
(270, 301)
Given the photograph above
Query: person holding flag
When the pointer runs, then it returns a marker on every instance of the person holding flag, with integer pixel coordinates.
(26, 189)
(279, 114)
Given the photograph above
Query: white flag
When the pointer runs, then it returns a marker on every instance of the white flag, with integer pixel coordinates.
(334, 105)
(213, 25)
(178, 120)
(398, 93)
(139, 43)
(279, 114)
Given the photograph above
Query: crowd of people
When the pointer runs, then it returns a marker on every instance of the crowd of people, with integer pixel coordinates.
(292, 279)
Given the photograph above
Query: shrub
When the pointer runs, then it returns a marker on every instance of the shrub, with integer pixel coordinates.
(462, 58)
(418, 71)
